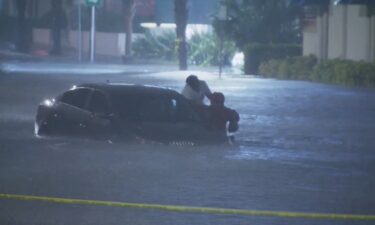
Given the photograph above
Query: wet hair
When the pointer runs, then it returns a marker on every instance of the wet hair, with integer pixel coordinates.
(193, 82)
(217, 98)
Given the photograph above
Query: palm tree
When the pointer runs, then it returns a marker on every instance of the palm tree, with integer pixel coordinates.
(181, 17)
(58, 23)
(22, 43)
(128, 8)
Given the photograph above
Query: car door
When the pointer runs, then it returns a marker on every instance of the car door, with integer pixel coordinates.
(168, 119)
(153, 119)
(189, 124)
(72, 112)
(100, 123)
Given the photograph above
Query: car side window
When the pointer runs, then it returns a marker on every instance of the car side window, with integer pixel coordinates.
(158, 110)
(167, 109)
(184, 112)
(98, 103)
(77, 97)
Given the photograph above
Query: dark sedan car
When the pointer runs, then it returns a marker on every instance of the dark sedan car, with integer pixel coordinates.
(123, 112)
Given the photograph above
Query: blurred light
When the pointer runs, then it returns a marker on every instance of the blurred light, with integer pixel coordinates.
(36, 129)
(162, 25)
(48, 102)
(192, 29)
(238, 59)
(168, 25)
(74, 87)
(148, 25)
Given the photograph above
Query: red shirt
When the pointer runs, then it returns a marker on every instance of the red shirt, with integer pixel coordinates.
(220, 115)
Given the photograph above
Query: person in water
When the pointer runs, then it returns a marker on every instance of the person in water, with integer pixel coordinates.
(221, 118)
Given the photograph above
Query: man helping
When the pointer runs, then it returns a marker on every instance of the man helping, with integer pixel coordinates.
(195, 90)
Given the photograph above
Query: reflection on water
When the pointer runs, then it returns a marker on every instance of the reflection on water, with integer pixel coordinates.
(277, 154)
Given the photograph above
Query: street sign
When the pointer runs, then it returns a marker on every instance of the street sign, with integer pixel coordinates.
(93, 2)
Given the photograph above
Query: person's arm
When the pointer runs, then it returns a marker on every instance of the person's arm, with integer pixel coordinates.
(184, 91)
(233, 121)
(206, 90)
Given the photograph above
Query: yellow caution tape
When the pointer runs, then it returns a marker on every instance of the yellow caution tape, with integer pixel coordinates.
(190, 209)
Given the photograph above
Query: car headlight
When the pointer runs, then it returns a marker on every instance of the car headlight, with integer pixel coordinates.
(48, 102)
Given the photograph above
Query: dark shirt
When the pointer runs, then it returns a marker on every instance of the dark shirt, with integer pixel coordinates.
(219, 116)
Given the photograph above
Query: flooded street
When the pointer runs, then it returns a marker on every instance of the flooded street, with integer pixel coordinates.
(303, 147)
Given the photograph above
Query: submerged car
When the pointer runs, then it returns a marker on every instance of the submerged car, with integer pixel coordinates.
(124, 112)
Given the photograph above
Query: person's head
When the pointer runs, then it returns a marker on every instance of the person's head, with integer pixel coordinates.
(217, 98)
(193, 82)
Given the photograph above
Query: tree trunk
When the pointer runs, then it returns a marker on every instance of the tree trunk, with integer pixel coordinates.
(129, 7)
(22, 42)
(181, 17)
(58, 22)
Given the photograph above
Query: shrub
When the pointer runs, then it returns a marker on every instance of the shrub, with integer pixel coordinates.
(354, 73)
(156, 46)
(335, 71)
(255, 54)
(204, 49)
(323, 71)
(289, 68)
(270, 68)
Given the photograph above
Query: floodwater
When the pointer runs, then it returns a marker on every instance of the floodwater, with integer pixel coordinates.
(302, 147)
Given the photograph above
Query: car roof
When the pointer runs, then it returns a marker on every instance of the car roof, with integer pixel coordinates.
(123, 88)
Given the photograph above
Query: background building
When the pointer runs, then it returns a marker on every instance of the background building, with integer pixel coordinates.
(342, 29)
